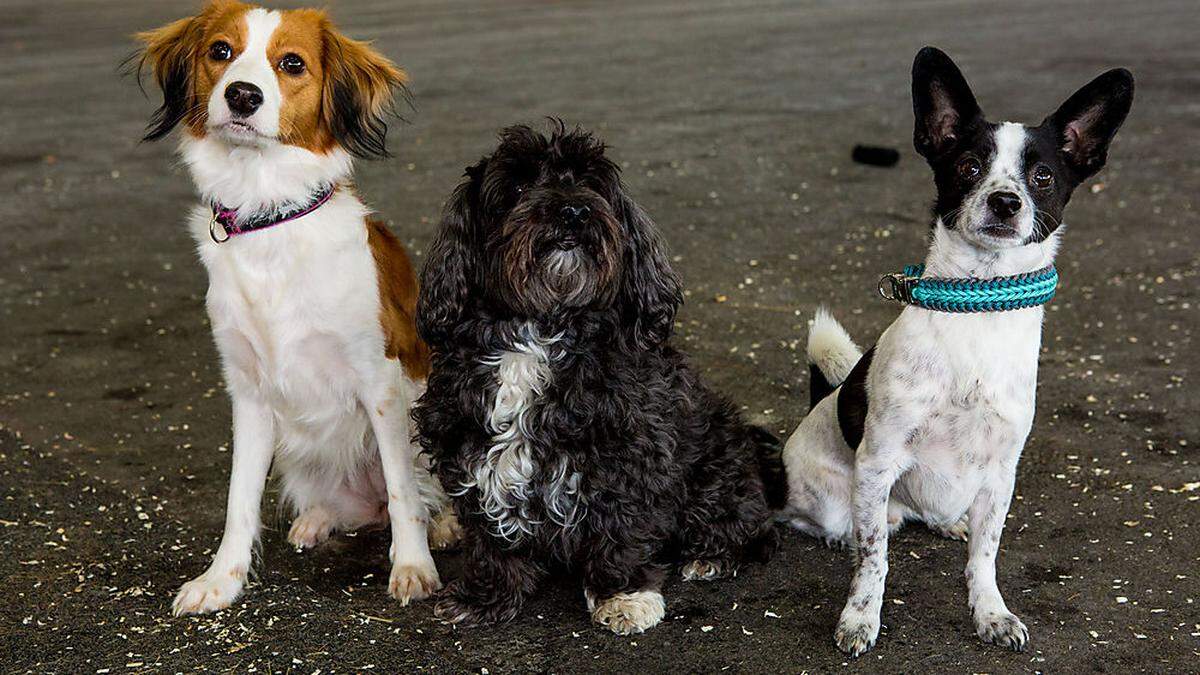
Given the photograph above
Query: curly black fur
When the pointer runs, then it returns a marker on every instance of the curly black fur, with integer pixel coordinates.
(666, 472)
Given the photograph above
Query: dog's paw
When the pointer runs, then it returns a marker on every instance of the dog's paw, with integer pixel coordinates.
(958, 531)
(452, 607)
(310, 528)
(444, 530)
(703, 570)
(413, 582)
(210, 592)
(455, 606)
(1004, 629)
(856, 634)
(630, 613)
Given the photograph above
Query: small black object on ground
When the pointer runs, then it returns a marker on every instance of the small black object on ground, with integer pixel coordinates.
(874, 155)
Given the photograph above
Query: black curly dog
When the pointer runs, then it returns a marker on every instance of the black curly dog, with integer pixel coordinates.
(571, 434)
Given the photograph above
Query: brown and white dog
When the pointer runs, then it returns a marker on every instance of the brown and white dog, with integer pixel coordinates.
(311, 301)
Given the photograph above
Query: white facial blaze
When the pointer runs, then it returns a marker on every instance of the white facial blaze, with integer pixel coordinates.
(1006, 173)
(1007, 168)
(252, 66)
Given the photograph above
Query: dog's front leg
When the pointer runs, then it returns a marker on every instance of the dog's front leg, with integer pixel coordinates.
(875, 472)
(414, 575)
(253, 448)
(993, 622)
(622, 585)
(496, 582)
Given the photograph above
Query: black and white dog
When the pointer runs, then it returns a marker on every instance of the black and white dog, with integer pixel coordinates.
(930, 423)
(570, 433)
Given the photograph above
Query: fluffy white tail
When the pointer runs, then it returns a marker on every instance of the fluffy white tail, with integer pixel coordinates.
(830, 348)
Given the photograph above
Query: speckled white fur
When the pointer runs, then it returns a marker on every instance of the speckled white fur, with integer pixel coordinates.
(951, 402)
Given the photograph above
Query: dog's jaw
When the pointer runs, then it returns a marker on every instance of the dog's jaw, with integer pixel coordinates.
(955, 256)
(549, 270)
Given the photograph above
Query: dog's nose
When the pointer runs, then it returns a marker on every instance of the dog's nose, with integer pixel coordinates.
(574, 215)
(243, 98)
(1004, 204)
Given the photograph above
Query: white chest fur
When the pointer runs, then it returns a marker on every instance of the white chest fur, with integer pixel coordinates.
(958, 391)
(295, 314)
(509, 477)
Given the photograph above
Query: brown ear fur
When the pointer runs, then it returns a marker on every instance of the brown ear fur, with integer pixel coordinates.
(169, 52)
(360, 85)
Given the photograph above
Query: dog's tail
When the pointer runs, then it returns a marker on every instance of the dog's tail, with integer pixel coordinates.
(831, 355)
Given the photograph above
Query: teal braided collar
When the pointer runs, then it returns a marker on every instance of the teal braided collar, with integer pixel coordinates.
(998, 294)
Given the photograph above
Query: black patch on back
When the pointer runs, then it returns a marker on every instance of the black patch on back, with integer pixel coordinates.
(818, 386)
(852, 401)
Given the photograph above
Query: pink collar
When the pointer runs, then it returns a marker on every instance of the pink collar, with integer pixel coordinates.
(225, 220)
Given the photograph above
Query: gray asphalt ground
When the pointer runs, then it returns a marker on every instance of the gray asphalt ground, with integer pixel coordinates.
(734, 122)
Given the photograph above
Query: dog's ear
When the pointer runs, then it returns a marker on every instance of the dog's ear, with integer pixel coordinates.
(359, 94)
(1087, 122)
(943, 104)
(650, 290)
(169, 52)
(450, 265)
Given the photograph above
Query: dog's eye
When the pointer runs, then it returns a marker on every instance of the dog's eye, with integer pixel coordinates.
(292, 64)
(1042, 177)
(969, 168)
(220, 51)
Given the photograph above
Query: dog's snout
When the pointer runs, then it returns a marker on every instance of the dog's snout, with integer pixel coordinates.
(574, 215)
(1004, 204)
(243, 98)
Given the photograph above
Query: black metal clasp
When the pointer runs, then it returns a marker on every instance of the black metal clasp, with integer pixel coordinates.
(897, 287)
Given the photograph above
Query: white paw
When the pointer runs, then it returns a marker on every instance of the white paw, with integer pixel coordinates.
(413, 582)
(311, 528)
(701, 570)
(957, 531)
(444, 530)
(1002, 628)
(210, 592)
(629, 613)
(856, 633)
